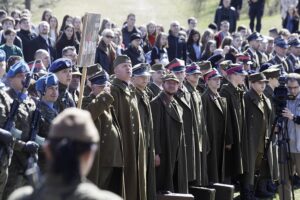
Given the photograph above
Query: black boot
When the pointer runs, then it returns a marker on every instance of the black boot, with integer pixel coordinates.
(261, 190)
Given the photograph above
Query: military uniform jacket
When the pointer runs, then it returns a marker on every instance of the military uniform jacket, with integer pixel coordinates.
(201, 138)
(277, 61)
(147, 127)
(169, 144)
(254, 58)
(65, 99)
(53, 188)
(293, 62)
(215, 112)
(262, 57)
(154, 88)
(237, 157)
(126, 107)
(255, 120)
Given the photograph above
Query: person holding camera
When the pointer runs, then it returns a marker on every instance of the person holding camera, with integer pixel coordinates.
(292, 113)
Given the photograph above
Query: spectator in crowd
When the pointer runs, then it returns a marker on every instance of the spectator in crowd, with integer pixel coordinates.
(194, 47)
(159, 52)
(42, 41)
(66, 21)
(237, 4)
(67, 38)
(26, 36)
(226, 13)
(106, 24)
(118, 40)
(129, 29)
(9, 48)
(16, 14)
(284, 6)
(105, 52)
(43, 55)
(77, 27)
(53, 32)
(207, 35)
(134, 50)
(176, 45)
(209, 49)
(46, 15)
(192, 24)
(159, 28)
(291, 21)
(144, 41)
(151, 32)
(237, 41)
(9, 23)
(224, 31)
(256, 10)
(71, 53)
(2, 67)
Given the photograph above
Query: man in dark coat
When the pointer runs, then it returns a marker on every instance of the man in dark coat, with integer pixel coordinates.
(126, 107)
(254, 42)
(215, 111)
(107, 170)
(7, 23)
(156, 85)
(140, 79)
(258, 115)
(26, 36)
(170, 159)
(176, 46)
(192, 78)
(293, 58)
(128, 29)
(42, 41)
(237, 149)
(228, 13)
(256, 10)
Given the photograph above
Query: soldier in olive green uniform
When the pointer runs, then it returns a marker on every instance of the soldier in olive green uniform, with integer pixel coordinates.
(107, 170)
(205, 66)
(22, 147)
(140, 79)
(70, 151)
(156, 85)
(126, 107)
(62, 68)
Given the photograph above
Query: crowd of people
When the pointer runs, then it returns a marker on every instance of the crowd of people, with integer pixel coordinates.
(164, 111)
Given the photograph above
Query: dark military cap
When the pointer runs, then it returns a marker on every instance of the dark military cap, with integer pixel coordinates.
(93, 69)
(121, 59)
(236, 69)
(272, 73)
(205, 65)
(135, 36)
(258, 76)
(169, 77)
(74, 124)
(2, 55)
(75, 71)
(157, 67)
(46, 81)
(176, 65)
(265, 66)
(193, 69)
(60, 64)
(273, 30)
(282, 43)
(244, 58)
(100, 78)
(294, 43)
(215, 59)
(254, 36)
(225, 64)
(213, 73)
(19, 67)
(141, 69)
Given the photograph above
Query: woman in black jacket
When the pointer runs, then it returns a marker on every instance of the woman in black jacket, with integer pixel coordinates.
(159, 53)
(209, 49)
(135, 51)
(67, 38)
(194, 46)
(291, 21)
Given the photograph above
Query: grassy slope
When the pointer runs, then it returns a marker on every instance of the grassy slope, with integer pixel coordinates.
(161, 11)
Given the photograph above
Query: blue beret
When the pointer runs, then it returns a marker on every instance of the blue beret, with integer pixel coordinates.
(294, 43)
(46, 81)
(142, 69)
(100, 78)
(60, 64)
(2, 55)
(19, 67)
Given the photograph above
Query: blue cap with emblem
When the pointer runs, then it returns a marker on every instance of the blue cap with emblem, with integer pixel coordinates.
(60, 64)
(100, 78)
(2, 56)
(141, 69)
(19, 67)
(282, 43)
(46, 81)
(294, 43)
(254, 36)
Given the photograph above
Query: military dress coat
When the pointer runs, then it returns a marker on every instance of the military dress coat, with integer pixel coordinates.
(126, 108)
(110, 153)
(147, 127)
(215, 112)
(237, 157)
(169, 145)
(201, 138)
(255, 119)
